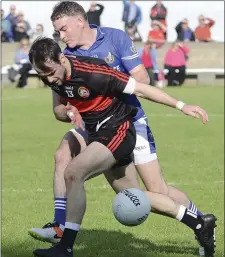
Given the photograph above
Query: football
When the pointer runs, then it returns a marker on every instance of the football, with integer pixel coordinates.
(131, 207)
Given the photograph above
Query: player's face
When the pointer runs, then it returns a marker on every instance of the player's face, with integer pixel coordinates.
(70, 30)
(55, 75)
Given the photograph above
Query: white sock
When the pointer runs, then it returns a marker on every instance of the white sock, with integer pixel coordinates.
(181, 213)
(72, 226)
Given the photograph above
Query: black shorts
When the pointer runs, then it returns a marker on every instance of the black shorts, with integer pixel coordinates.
(120, 140)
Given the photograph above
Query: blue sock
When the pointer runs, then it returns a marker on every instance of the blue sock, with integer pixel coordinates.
(60, 210)
(194, 209)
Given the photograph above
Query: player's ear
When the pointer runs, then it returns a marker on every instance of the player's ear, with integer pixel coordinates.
(81, 20)
(62, 58)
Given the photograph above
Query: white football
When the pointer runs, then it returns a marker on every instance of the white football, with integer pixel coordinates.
(131, 207)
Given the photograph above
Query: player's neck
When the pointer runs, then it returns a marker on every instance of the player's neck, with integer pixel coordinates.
(89, 37)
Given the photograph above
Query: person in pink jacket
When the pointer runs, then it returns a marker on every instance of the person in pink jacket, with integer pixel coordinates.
(175, 63)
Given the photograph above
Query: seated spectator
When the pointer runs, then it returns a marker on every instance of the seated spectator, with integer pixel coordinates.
(156, 35)
(134, 34)
(202, 32)
(19, 32)
(22, 28)
(184, 33)
(148, 57)
(175, 62)
(159, 13)
(22, 65)
(39, 32)
(4, 36)
(132, 17)
(94, 13)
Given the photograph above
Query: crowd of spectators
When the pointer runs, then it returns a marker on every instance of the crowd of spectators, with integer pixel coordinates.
(176, 57)
(132, 18)
(15, 28)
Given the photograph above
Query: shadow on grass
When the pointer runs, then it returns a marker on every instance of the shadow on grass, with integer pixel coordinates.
(101, 243)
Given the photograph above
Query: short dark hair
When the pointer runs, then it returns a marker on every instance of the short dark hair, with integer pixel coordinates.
(67, 8)
(44, 49)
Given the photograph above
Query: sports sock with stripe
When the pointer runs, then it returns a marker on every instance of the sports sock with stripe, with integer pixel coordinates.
(60, 211)
(194, 209)
(189, 218)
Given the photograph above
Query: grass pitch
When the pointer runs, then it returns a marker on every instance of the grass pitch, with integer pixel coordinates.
(191, 156)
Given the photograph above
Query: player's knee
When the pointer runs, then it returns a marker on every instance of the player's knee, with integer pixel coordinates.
(62, 157)
(74, 173)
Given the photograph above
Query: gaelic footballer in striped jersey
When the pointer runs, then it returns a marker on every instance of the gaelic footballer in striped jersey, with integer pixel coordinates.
(94, 89)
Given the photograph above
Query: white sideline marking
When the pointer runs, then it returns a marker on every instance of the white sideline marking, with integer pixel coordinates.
(107, 186)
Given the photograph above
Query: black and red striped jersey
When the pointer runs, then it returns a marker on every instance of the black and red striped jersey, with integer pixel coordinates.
(94, 89)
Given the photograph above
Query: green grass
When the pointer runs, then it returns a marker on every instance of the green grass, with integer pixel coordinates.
(191, 156)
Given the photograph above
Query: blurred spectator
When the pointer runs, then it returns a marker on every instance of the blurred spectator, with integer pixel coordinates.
(157, 33)
(202, 32)
(159, 13)
(19, 32)
(22, 66)
(11, 17)
(184, 33)
(132, 17)
(4, 36)
(22, 28)
(39, 32)
(94, 13)
(6, 27)
(175, 62)
(148, 57)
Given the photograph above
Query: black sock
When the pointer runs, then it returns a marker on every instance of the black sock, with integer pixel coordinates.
(192, 220)
(68, 238)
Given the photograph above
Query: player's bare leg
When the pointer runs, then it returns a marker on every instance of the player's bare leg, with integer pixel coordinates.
(122, 178)
(71, 145)
(153, 180)
(98, 158)
(165, 205)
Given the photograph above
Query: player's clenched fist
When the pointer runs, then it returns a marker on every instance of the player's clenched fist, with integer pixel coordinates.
(74, 115)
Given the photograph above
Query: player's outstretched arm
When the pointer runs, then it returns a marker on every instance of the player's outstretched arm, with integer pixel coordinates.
(159, 96)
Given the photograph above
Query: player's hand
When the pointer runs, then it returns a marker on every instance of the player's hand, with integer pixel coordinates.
(75, 116)
(195, 112)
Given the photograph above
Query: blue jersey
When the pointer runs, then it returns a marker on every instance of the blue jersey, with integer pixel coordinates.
(117, 49)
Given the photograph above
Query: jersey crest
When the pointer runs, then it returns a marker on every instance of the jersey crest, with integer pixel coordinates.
(83, 92)
(109, 59)
(133, 48)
